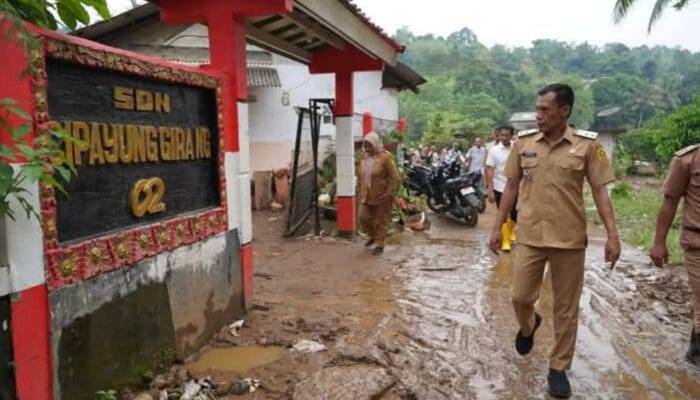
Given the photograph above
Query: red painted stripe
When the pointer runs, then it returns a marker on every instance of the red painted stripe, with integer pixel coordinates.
(367, 123)
(343, 94)
(30, 335)
(13, 63)
(346, 214)
(247, 274)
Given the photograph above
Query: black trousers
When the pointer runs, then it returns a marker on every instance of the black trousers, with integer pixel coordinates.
(513, 212)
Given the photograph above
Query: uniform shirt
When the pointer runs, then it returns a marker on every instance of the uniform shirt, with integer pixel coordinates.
(497, 158)
(550, 200)
(683, 180)
(476, 157)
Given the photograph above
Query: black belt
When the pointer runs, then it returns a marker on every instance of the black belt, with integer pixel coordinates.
(696, 230)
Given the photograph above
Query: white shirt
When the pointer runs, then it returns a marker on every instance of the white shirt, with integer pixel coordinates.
(476, 157)
(497, 158)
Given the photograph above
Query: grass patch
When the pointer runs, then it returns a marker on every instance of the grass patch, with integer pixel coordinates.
(636, 209)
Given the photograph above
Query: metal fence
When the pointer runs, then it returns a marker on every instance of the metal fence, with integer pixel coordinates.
(304, 191)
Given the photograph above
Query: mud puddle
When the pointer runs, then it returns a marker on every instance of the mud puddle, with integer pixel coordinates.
(235, 359)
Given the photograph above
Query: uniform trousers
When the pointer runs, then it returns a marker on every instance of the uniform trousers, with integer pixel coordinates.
(374, 220)
(692, 265)
(566, 270)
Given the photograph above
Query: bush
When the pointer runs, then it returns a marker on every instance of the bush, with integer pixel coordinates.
(663, 135)
(622, 190)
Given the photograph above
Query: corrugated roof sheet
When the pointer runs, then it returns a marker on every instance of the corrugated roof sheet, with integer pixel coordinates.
(261, 70)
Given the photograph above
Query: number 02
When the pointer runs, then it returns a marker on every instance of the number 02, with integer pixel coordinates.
(146, 196)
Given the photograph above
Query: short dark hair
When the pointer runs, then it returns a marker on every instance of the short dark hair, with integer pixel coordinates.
(506, 128)
(563, 94)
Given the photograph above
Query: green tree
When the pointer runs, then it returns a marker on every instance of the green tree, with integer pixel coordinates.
(41, 160)
(622, 8)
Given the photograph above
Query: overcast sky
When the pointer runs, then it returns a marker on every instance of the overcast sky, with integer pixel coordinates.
(519, 22)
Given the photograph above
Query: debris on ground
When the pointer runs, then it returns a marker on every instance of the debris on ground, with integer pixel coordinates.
(275, 206)
(234, 327)
(243, 386)
(356, 382)
(263, 275)
(309, 346)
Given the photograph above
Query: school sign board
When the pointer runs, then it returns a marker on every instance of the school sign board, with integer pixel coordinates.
(147, 149)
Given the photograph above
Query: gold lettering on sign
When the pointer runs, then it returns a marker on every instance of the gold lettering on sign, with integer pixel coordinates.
(101, 143)
(123, 98)
(110, 144)
(147, 197)
(151, 143)
(81, 131)
(140, 100)
(96, 152)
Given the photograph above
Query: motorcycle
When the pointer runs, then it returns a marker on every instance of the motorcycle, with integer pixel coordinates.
(448, 191)
(481, 196)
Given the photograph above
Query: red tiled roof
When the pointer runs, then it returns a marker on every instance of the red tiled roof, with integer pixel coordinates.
(376, 28)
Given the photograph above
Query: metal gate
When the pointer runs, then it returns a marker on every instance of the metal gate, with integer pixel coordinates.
(304, 190)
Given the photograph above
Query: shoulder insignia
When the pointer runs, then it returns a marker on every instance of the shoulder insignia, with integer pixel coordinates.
(586, 134)
(686, 150)
(527, 133)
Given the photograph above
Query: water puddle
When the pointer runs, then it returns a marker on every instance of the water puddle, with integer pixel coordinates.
(236, 359)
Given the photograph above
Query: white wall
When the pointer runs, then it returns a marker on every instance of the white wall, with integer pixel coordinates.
(369, 97)
(273, 125)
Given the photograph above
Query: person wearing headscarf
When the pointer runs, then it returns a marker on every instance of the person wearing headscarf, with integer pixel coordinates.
(378, 179)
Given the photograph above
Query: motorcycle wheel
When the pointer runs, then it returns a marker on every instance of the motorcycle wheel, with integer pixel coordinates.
(482, 203)
(434, 206)
(472, 217)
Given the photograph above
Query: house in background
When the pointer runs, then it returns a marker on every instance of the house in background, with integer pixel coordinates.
(607, 125)
(277, 86)
(523, 121)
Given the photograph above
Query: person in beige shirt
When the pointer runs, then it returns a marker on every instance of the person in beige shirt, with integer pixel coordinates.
(545, 170)
(683, 181)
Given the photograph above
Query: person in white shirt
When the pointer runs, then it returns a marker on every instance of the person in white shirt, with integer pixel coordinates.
(476, 157)
(496, 181)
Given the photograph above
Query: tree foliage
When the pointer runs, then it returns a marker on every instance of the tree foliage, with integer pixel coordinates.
(622, 8)
(40, 159)
(481, 87)
(664, 134)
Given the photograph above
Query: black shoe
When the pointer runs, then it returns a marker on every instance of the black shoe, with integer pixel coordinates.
(523, 345)
(558, 384)
(369, 242)
(378, 250)
(693, 354)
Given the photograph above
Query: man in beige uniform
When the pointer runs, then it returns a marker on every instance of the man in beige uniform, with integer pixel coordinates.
(683, 180)
(546, 169)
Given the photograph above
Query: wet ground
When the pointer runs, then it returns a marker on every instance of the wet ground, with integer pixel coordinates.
(431, 319)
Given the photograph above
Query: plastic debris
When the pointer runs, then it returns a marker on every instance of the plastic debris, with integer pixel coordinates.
(243, 386)
(192, 389)
(309, 346)
(234, 327)
(163, 395)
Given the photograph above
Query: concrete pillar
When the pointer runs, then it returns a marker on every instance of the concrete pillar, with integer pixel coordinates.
(25, 257)
(226, 23)
(344, 63)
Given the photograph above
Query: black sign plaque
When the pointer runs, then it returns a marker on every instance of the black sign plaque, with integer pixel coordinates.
(148, 150)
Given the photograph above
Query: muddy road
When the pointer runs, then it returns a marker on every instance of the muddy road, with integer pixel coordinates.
(431, 319)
